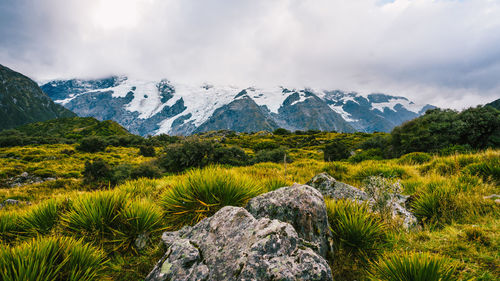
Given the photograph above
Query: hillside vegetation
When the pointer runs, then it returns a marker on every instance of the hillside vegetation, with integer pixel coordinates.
(22, 101)
(102, 201)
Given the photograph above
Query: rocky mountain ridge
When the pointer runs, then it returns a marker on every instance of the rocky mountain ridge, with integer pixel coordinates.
(155, 107)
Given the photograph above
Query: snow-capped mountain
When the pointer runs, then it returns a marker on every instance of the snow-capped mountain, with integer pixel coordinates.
(155, 107)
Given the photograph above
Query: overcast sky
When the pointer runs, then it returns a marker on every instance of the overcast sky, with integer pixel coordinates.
(442, 52)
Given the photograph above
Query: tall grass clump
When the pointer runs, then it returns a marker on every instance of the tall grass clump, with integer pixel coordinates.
(412, 267)
(356, 230)
(9, 226)
(430, 206)
(358, 237)
(141, 218)
(40, 219)
(54, 259)
(95, 216)
(203, 192)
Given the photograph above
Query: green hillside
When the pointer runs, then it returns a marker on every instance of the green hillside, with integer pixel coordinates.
(495, 104)
(73, 128)
(22, 101)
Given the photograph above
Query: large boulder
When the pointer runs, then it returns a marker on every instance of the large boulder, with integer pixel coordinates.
(330, 187)
(233, 245)
(301, 206)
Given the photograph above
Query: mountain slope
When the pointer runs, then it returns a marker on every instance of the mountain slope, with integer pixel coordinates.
(495, 104)
(71, 128)
(22, 101)
(150, 107)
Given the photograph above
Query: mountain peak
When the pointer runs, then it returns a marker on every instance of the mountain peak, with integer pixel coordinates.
(153, 107)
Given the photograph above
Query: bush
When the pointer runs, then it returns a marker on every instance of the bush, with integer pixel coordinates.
(281, 131)
(274, 155)
(121, 173)
(415, 158)
(145, 170)
(98, 172)
(370, 154)
(233, 156)
(147, 151)
(412, 267)
(336, 150)
(188, 154)
(203, 192)
(265, 145)
(92, 144)
(57, 259)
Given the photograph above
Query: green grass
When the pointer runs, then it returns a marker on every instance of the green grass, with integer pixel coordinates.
(412, 267)
(54, 259)
(40, 219)
(448, 192)
(203, 192)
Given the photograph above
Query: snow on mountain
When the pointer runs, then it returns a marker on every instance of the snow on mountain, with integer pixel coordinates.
(155, 107)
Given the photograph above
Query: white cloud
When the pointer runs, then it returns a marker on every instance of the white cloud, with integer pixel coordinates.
(442, 52)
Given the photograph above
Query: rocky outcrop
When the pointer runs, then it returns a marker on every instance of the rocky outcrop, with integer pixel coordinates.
(301, 206)
(330, 187)
(24, 179)
(233, 245)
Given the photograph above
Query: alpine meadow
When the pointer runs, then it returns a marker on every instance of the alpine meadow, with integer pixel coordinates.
(334, 140)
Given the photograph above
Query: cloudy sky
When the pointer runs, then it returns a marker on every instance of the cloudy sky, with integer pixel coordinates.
(443, 52)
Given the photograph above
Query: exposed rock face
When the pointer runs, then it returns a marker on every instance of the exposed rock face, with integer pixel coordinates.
(233, 245)
(329, 187)
(301, 206)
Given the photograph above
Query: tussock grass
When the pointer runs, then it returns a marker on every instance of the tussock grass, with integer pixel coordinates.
(95, 215)
(356, 230)
(9, 226)
(203, 192)
(52, 258)
(358, 237)
(412, 267)
(41, 218)
(141, 218)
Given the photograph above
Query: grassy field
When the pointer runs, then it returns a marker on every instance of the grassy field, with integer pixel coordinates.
(114, 231)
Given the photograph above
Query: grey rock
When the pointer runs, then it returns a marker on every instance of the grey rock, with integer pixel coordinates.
(233, 245)
(141, 241)
(332, 188)
(329, 187)
(494, 197)
(9, 202)
(301, 206)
